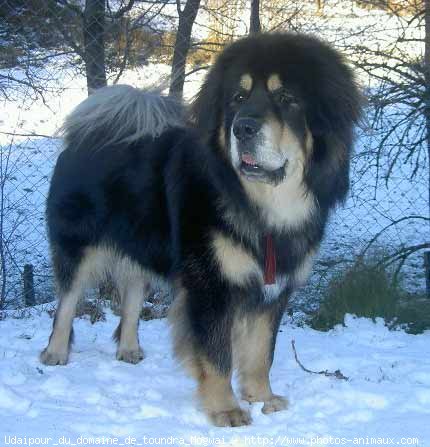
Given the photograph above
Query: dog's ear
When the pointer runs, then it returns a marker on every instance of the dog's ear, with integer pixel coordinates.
(206, 107)
(333, 108)
(336, 103)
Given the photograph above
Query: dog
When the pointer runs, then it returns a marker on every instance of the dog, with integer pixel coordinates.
(228, 201)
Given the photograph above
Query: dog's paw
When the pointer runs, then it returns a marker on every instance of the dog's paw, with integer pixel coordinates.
(231, 418)
(275, 403)
(53, 358)
(130, 356)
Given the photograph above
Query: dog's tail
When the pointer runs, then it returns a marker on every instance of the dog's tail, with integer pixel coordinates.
(120, 114)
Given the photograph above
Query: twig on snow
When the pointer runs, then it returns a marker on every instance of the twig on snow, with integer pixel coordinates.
(326, 373)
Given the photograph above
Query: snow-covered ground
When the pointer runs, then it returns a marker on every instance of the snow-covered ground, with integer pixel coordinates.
(387, 395)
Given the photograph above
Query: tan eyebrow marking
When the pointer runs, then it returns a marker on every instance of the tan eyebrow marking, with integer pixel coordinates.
(274, 82)
(246, 82)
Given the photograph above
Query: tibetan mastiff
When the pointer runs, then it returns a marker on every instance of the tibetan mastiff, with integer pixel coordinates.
(227, 200)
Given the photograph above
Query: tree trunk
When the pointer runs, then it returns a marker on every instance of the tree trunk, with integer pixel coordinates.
(427, 88)
(4, 175)
(182, 46)
(427, 120)
(3, 265)
(28, 285)
(255, 25)
(94, 48)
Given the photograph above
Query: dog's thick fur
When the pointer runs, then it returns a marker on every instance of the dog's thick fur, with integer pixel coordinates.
(138, 195)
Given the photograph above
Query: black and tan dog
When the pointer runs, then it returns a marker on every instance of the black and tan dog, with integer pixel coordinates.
(231, 212)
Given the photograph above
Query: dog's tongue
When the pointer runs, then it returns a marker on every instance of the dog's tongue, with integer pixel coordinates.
(248, 159)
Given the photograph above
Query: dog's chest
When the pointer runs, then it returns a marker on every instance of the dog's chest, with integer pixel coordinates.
(286, 265)
(283, 266)
(275, 279)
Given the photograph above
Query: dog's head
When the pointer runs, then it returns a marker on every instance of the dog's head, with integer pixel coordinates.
(265, 127)
(281, 106)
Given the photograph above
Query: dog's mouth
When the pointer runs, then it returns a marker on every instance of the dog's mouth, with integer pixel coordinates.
(254, 172)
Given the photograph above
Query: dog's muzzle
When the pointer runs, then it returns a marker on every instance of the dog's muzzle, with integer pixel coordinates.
(253, 172)
(248, 136)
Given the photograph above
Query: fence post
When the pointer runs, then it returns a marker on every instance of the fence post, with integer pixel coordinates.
(427, 271)
(28, 280)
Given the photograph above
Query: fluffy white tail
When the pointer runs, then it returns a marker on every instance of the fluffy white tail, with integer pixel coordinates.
(120, 114)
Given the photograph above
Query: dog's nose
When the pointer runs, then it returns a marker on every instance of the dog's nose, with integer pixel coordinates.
(246, 128)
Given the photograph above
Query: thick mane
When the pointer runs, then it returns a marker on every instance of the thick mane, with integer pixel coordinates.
(334, 102)
(325, 83)
(120, 114)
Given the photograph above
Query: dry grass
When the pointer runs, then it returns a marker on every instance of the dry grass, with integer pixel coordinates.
(367, 289)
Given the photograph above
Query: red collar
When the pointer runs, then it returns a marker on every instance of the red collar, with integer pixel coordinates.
(269, 261)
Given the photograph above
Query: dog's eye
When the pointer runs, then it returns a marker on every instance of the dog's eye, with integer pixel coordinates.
(239, 97)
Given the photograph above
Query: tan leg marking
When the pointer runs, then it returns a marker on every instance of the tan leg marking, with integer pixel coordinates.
(57, 351)
(128, 347)
(132, 283)
(128, 276)
(217, 398)
(252, 346)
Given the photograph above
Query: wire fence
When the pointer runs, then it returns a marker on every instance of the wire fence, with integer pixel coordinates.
(53, 53)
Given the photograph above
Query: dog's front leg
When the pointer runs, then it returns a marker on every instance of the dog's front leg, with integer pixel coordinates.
(202, 317)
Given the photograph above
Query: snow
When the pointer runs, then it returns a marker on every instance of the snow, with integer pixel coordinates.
(94, 396)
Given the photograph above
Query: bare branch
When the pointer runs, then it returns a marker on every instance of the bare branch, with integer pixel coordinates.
(123, 10)
(337, 374)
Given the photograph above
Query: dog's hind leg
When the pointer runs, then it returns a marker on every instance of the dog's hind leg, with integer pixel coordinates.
(73, 276)
(254, 338)
(132, 296)
(57, 351)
